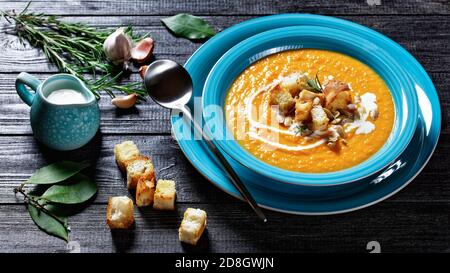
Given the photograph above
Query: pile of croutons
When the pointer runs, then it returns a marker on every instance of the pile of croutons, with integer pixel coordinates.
(141, 177)
(312, 107)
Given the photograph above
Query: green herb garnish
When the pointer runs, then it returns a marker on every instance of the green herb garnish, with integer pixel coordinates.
(301, 130)
(74, 48)
(189, 26)
(315, 84)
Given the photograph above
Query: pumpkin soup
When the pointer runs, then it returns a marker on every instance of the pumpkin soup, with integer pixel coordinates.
(310, 111)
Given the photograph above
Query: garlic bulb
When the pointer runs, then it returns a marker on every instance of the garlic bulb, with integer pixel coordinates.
(117, 47)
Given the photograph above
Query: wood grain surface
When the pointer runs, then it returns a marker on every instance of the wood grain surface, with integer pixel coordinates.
(414, 220)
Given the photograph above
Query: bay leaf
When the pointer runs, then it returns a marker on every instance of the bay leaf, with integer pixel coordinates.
(48, 224)
(56, 172)
(65, 210)
(189, 26)
(79, 189)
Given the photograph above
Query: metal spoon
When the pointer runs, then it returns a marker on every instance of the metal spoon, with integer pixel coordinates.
(170, 85)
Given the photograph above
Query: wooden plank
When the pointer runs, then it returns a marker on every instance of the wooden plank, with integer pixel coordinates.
(21, 156)
(424, 36)
(18, 53)
(398, 227)
(145, 118)
(251, 7)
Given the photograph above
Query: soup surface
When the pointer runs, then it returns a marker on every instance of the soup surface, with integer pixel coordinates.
(310, 111)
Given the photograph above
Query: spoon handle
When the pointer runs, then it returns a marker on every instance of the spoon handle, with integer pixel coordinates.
(227, 167)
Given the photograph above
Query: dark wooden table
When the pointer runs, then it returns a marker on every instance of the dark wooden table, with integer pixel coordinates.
(414, 220)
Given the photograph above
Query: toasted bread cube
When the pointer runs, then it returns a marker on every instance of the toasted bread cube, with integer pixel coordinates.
(119, 213)
(283, 99)
(192, 226)
(307, 95)
(145, 192)
(319, 118)
(164, 195)
(337, 95)
(340, 101)
(125, 151)
(303, 110)
(140, 167)
(294, 83)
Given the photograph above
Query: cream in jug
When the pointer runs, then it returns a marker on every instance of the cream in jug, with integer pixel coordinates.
(64, 113)
(66, 96)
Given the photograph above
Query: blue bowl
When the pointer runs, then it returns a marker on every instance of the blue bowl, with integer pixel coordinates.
(239, 57)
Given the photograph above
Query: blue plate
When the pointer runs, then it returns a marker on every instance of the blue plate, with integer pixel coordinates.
(377, 187)
(242, 55)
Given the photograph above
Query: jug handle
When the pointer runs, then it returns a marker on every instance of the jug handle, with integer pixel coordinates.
(22, 81)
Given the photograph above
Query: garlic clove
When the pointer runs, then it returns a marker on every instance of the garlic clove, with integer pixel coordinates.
(142, 71)
(125, 102)
(117, 47)
(143, 50)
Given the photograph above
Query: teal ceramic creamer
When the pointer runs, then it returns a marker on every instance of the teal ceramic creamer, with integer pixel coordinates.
(66, 126)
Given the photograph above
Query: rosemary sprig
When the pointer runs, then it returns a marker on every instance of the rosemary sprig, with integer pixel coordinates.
(74, 48)
(315, 84)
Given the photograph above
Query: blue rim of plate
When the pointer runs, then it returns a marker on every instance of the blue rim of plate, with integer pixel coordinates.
(396, 176)
(242, 55)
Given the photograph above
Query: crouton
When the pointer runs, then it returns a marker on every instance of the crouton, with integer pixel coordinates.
(303, 110)
(164, 195)
(283, 99)
(119, 213)
(307, 95)
(137, 168)
(340, 102)
(145, 191)
(192, 226)
(337, 95)
(125, 151)
(293, 83)
(319, 118)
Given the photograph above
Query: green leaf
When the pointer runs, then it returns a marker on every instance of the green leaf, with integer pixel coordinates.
(56, 172)
(189, 26)
(65, 210)
(315, 84)
(79, 189)
(48, 223)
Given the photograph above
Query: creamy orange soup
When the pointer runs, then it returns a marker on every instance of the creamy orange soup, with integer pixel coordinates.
(355, 149)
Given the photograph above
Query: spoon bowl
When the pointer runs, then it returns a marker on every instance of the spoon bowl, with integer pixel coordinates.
(168, 84)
